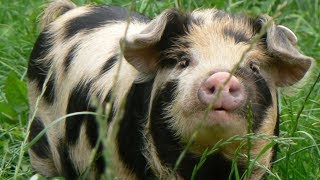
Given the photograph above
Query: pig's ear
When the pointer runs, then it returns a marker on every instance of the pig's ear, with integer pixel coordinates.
(290, 64)
(142, 50)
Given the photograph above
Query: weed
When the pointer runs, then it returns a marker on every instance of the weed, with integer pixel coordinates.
(299, 141)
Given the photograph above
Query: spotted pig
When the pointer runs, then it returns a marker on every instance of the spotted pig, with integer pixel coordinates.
(181, 78)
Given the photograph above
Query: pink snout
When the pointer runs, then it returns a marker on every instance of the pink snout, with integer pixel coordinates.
(231, 96)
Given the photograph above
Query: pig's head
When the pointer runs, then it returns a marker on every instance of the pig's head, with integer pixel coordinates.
(210, 73)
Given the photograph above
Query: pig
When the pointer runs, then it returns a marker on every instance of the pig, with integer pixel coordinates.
(169, 87)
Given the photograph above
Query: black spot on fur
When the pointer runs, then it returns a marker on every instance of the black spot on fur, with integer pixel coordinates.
(38, 68)
(99, 16)
(92, 128)
(176, 26)
(79, 101)
(68, 168)
(43, 45)
(168, 63)
(257, 25)
(92, 132)
(237, 35)
(169, 147)
(262, 100)
(130, 138)
(100, 163)
(276, 130)
(49, 93)
(262, 103)
(276, 133)
(41, 148)
(70, 56)
(109, 63)
(215, 167)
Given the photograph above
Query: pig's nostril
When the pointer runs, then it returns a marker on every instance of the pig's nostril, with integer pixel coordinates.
(235, 90)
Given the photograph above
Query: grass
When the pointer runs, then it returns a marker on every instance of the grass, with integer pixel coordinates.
(300, 114)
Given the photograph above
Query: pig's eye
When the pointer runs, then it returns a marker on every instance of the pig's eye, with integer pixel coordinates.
(255, 68)
(184, 62)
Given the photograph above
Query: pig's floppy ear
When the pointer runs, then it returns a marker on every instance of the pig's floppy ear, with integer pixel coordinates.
(289, 62)
(142, 50)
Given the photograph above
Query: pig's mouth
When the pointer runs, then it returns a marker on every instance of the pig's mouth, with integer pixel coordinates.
(219, 109)
(221, 115)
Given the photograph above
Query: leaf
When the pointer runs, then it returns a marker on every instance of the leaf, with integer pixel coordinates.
(7, 113)
(220, 4)
(16, 93)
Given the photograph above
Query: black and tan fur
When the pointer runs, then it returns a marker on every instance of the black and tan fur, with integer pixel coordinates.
(165, 61)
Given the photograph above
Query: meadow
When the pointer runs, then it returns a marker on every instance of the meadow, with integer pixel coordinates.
(299, 146)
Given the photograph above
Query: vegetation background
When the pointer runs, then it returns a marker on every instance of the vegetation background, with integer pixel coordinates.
(300, 113)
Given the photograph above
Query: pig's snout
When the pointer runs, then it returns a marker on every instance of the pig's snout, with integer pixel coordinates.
(231, 96)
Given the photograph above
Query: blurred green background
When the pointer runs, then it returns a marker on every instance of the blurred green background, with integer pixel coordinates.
(300, 114)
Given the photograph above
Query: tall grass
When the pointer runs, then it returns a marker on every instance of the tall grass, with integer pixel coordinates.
(299, 142)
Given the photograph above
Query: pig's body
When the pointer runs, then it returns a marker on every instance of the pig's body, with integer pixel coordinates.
(174, 68)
